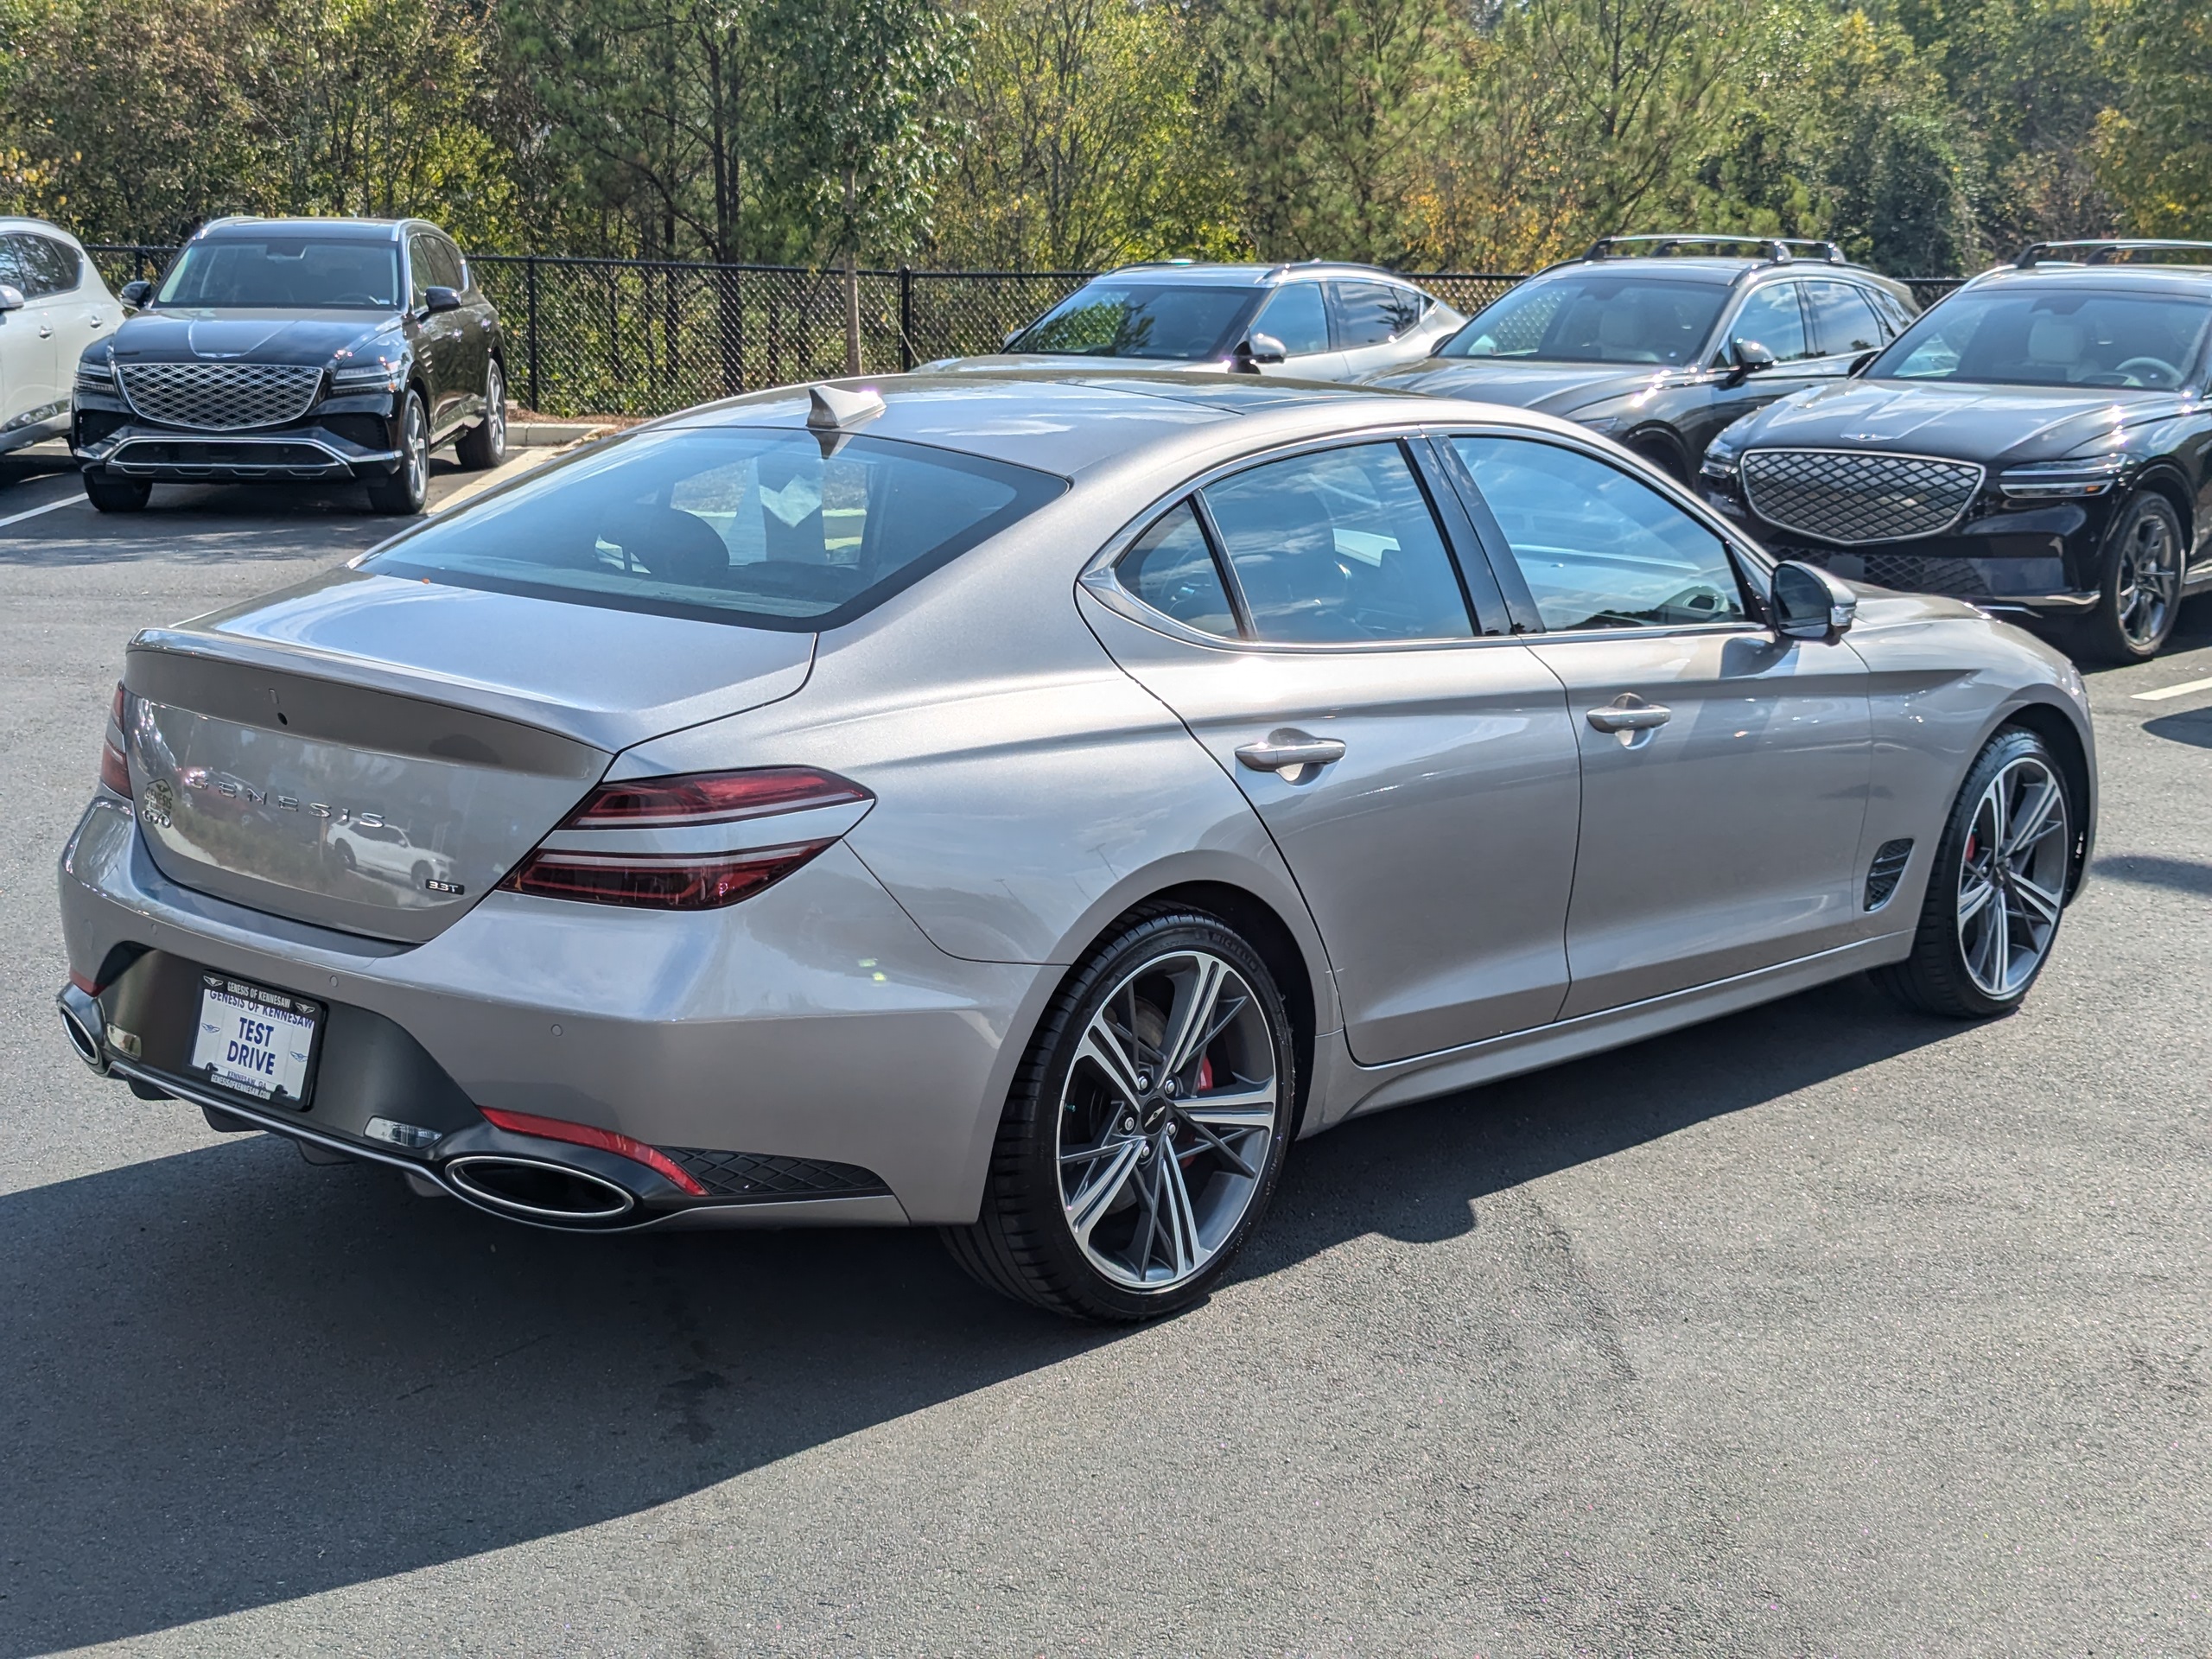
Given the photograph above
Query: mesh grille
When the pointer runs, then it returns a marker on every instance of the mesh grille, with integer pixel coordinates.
(754, 1175)
(1853, 498)
(220, 396)
(1886, 871)
(1911, 573)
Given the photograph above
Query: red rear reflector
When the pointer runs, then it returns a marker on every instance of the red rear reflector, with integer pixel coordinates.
(84, 982)
(711, 797)
(660, 881)
(584, 1134)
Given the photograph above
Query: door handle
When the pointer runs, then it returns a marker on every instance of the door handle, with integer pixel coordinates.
(1287, 749)
(1630, 713)
(45, 330)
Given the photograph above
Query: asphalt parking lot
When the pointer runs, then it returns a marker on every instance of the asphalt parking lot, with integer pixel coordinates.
(1825, 1329)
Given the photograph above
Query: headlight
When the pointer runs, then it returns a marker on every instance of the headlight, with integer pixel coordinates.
(365, 377)
(94, 375)
(1718, 465)
(2050, 480)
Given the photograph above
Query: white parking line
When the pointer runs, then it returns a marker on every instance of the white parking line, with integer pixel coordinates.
(51, 506)
(2158, 696)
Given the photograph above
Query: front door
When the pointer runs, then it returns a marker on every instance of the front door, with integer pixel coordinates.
(1725, 769)
(32, 338)
(1418, 777)
(1773, 315)
(1297, 316)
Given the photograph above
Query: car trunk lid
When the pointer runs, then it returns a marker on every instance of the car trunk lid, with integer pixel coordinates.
(349, 755)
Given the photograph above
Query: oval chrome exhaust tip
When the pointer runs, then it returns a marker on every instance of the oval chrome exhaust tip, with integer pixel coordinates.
(538, 1191)
(80, 1018)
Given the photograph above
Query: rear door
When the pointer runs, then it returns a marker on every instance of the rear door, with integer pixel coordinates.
(1370, 318)
(1307, 606)
(441, 343)
(34, 337)
(1725, 769)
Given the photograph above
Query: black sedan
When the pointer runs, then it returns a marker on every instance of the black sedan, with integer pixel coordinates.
(283, 349)
(1661, 341)
(2039, 443)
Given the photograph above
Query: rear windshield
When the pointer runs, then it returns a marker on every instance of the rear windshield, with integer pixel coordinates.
(1595, 318)
(765, 529)
(2027, 338)
(1146, 320)
(309, 272)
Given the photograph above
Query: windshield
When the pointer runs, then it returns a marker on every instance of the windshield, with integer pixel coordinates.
(736, 524)
(1148, 319)
(1591, 318)
(285, 272)
(2051, 337)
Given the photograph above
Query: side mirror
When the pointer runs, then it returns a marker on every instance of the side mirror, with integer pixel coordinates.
(1747, 357)
(11, 297)
(1810, 604)
(134, 294)
(435, 300)
(1255, 349)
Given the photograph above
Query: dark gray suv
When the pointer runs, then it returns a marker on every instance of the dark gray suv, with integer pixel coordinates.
(289, 349)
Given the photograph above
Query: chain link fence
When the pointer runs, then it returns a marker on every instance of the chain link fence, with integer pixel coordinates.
(639, 337)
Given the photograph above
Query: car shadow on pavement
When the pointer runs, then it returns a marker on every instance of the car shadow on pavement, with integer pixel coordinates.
(233, 1379)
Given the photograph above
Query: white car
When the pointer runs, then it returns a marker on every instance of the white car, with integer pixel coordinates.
(53, 304)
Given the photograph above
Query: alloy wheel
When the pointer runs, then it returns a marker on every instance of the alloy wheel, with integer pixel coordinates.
(1166, 1119)
(2012, 876)
(495, 411)
(2150, 581)
(417, 445)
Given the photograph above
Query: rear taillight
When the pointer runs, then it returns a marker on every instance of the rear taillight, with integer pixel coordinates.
(595, 854)
(115, 771)
(584, 1135)
(703, 797)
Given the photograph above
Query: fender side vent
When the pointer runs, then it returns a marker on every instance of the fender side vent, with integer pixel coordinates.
(1886, 871)
(756, 1175)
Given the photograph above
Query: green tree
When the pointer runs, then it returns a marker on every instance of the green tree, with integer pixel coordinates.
(2153, 147)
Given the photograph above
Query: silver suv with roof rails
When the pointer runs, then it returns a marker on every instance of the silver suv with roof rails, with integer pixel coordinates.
(1661, 341)
(1313, 321)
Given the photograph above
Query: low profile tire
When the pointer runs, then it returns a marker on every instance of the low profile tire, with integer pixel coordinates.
(2141, 592)
(408, 489)
(116, 494)
(1998, 890)
(1661, 456)
(1146, 1131)
(484, 445)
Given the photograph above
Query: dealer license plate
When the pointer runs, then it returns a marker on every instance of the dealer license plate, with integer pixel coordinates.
(258, 1042)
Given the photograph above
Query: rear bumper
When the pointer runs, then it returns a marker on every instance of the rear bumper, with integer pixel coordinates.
(807, 1055)
(288, 455)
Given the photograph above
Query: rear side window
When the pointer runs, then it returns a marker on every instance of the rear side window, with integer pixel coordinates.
(767, 528)
(1171, 568)
(1373, 314)
(1843, 319)
(1338, 547)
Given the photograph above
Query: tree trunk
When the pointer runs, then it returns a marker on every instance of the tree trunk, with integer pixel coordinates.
(852, 285)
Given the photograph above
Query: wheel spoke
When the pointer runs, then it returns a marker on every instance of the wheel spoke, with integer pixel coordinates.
(1974, 900)
(1236, 1160)
(2042, 901)
(1196, 998)
(1103, 1047)
(1096, 1196)
(2029, 825)
(1234, 1108)
(2000, 948)
(1182, 1223)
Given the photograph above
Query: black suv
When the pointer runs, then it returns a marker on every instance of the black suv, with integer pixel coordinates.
(2040, 442)
(296, 348)
(1661, 341)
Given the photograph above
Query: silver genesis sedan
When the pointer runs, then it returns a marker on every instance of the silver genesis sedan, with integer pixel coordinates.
(1024, 805)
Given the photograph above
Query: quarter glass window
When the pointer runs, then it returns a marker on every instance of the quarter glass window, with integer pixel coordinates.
(1843, 319)
(47, 266)
(1295, 316)
(1771, 317)
(1171, 569)
(1598, 548)
(1339, 548)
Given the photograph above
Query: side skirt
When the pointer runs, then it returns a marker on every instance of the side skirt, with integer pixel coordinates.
(1362, 1088)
